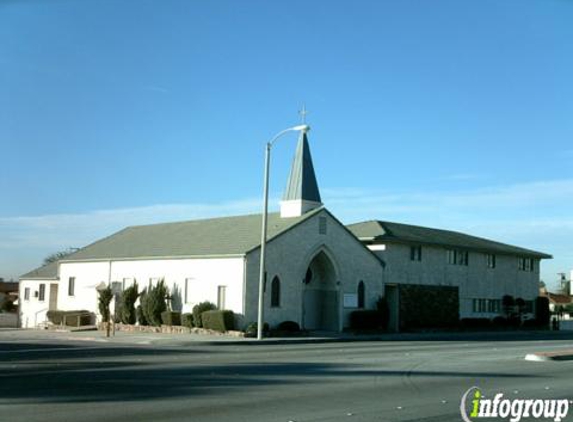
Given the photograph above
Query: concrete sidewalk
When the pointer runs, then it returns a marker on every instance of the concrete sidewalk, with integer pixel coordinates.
(176, 340)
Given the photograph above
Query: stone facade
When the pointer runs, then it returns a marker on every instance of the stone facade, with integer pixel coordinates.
(475, 280)
(289, 257)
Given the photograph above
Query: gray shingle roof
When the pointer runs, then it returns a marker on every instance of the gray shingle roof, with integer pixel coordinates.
(44, 272)
(384, 231)
(302, 180)
(210, 237)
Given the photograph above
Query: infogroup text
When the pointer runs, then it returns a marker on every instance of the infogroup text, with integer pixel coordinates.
(475, 406)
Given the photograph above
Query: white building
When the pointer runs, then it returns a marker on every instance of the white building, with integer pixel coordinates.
(318, 270)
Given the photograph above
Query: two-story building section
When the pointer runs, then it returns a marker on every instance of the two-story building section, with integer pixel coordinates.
(476, 270)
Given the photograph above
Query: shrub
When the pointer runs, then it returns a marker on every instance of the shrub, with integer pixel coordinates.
(514, 321)
(199, 309)
(542, 314)
(155, 304)
(251, 330)
(475, 323)
(7, 305)
(499, 321)
(55, 317)
(218, 320)
(384, 311)
(365, 320)
(171, 318)
(139, 312)
(531, 323)
(105, 297)
(288, 327)
(520, 304)
(187, 320)
(127, 306)
(508, 304)
(70, 318)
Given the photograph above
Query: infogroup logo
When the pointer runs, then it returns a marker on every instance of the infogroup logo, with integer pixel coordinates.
(514, 409)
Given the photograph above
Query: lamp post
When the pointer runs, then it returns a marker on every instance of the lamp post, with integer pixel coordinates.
(301, 128)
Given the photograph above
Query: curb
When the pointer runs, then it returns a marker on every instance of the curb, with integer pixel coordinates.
(550, 356)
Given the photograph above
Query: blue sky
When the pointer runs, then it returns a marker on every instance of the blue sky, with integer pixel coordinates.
(453, 114)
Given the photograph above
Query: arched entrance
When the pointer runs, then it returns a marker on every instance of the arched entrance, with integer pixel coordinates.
(320, 295)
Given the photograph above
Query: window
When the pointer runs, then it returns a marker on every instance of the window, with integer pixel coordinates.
(116, 287)
(321, 225)
(221, 294)
(361, 294)
(152, 282)
(415, 253)
(458, 257)
(27, 293)
(490, 259)
(42, 294)
(494, 306)
(187, 296)
(275, 293)
(127, 282)
(525, 264)
(479, 305)
(71, 286)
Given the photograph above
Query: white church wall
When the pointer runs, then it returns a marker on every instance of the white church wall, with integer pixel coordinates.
(32, 309)
(202, 277)
(288, 257)
(86, 277)
(475, 281)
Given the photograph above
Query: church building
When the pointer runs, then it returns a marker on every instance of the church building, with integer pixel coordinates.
(318, 270)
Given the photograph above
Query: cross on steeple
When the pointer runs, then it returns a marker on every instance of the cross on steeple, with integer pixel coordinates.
(303, 114)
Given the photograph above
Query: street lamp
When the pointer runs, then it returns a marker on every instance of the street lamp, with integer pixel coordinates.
(299, 128)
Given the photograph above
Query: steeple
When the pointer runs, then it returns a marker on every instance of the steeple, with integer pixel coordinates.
(301, 194)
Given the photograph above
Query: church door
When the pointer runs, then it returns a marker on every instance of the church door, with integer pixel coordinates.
(320, 295)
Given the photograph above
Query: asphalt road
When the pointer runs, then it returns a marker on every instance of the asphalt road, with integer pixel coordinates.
(44, 379)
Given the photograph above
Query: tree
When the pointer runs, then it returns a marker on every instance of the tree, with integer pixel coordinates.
(7, 305)
(139, 313)
(542, 314)
(127, 306)
(520, 303)
(155, 303)
(508, 304)
(105, 297)
(56, 256)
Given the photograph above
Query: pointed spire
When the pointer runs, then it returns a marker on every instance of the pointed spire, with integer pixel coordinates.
(301, 194)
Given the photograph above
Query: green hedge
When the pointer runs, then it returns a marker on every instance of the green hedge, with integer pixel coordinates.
(218, 320)
(187, 320)
(475, 323)
(365, 319)
(288, 327)
(542, 314)
(71, 318)
(251, 330)
(198, 311)
(171, 318)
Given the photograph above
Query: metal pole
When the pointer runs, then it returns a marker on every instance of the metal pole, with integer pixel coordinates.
(262, 268)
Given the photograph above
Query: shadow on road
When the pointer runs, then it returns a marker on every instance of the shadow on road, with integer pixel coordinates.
(135, 374)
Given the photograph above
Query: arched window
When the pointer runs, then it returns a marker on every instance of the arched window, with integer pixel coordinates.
(361, 294)
(275, 292)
